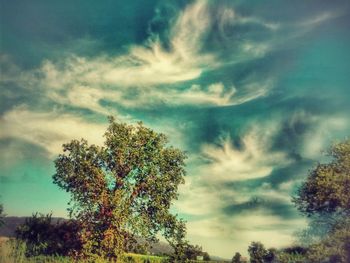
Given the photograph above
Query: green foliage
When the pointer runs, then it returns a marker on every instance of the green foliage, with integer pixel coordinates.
(135, 258)
(270, 255)
(257, 252)
(236, 258)
(325, 197)
(1, 215)
(122, 189)
(284, 257)
(43, 237)
(14, 251)
(206, 256)
(191, 251)
(326, 189)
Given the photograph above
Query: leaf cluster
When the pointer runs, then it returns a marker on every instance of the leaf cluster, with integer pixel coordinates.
(327, 188)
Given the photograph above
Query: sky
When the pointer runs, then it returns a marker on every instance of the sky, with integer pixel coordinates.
(253, 91)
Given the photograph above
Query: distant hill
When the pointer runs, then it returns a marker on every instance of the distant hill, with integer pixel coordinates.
(11, 223)
(219, 259)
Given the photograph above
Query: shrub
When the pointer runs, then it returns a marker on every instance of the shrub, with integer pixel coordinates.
(43, 237)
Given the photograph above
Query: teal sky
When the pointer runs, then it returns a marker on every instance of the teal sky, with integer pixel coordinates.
(252, 90)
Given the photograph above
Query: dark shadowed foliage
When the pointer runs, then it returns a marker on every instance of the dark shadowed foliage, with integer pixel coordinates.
(236, 258)
(1, 215)
(43, 237)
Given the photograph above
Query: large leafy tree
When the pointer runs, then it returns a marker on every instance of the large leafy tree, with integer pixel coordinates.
(327, 188)
(123, 188)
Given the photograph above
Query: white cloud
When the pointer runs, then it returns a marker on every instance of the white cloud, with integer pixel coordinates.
(146, 65)
(205, 191)
(254, 160)
(318, 140)
(322, 130)
(320, 19)
(48, 129)
(146, 70)
(206, 195)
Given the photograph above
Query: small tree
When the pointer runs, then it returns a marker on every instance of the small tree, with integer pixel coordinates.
(123, 188)
(206, 256)
(270, 255)
(1, 215)
(192, 251)
(257, 252)
(236, 258)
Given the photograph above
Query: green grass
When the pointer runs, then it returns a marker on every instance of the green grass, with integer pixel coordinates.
(135, 258)
(13, 251)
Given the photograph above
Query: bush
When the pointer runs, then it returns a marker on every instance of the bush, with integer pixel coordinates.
(42, 237)
(284, 257)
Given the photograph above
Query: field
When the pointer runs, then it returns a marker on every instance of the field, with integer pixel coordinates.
(12, 251)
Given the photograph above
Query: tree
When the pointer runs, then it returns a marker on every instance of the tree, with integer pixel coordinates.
(192, 251)
(325, 198)
(327, 188)
(236, 258)
(257, 252)
(1, 215)
(43, 236)
(270, 255)
(123, 188)
(206, 256)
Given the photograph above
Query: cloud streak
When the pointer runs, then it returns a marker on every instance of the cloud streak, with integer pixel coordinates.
(48, 130)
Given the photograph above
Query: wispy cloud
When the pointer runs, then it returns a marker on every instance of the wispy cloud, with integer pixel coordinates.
(224, 163)
(146, 71)
(48, 129)
(253, 160)
(227, 208)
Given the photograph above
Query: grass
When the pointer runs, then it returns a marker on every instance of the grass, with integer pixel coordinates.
(135, 258)
(13, 251)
